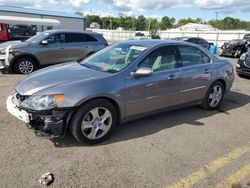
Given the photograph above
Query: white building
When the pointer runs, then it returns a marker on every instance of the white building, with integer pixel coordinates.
(195, 27)
(95, 25)
(45, 19)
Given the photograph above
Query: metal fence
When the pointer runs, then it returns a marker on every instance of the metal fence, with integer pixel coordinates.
(216, 37)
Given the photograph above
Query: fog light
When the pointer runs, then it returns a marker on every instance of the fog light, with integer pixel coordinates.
(238, 65)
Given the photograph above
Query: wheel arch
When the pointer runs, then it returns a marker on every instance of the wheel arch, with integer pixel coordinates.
(71, 114)
(222, 81)
(14, 61)
(110, 99)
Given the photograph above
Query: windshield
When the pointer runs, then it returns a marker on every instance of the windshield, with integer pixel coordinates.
(114, 58)
(38, 37)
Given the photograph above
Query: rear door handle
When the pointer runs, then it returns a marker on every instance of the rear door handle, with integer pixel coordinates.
(171, 77)
(207, 71)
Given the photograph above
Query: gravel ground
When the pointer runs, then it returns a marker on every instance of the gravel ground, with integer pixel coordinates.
(150, 152)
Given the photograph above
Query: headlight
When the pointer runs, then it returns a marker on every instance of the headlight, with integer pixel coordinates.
(238, 65)
(2, 51)
(12, 49)
(243, 57)
(46, 102)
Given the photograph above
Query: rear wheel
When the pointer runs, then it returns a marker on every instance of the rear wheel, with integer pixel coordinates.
(25, 65)
(94, 121)
(214, 96)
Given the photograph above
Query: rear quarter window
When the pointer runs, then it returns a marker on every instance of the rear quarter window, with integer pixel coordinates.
(89, 38)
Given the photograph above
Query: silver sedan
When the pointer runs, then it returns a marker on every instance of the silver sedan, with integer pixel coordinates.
(122, 82)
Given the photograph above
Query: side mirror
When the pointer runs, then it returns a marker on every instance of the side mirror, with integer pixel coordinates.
(142, 72)
(44, 42)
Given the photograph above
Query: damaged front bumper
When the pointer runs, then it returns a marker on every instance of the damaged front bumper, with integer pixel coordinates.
(46, 124)
(6, 58)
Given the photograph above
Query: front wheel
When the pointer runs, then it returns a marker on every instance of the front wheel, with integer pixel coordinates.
(214, 96)
(25, 65)
(94, 121)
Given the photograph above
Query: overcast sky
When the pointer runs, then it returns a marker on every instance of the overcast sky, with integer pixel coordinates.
(204, 9)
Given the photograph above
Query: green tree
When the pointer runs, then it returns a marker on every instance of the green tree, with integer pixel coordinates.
(229, 23)
(92, 18)
(167, 22)
(140, 23)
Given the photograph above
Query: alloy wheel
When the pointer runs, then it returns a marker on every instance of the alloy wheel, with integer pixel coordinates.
(96, 123)
(215, 96)
(26, 67)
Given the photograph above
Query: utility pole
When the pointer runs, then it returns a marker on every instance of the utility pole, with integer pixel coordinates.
(110, 22)
(216, 15)
(149, 26)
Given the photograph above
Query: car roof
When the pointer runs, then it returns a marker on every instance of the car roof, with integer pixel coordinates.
(156, 42)
(72, 31)
(186, 38)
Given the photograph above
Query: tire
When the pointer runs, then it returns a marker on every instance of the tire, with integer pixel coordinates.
(25, 65)
(4, 71)
(240, 75)
(208, 103)
(96, 128)
(243, 76)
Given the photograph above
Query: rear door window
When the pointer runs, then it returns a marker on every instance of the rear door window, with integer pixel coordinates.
(192, 56)
(74, 37)
(79, 37)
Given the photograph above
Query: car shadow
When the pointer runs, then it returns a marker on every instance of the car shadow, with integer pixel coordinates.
(155, 123)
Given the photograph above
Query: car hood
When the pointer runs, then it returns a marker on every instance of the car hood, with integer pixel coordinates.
(55, 76)
(15, 44)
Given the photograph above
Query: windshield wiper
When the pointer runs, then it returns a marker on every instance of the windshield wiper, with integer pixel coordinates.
(89, 66)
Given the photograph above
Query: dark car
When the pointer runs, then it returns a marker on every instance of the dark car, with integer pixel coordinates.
(243, 65)
(246, 37)
(233, 48)
(196, 40)
(139, 34)
(21, 31)
(119, 83)
(48, 48)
